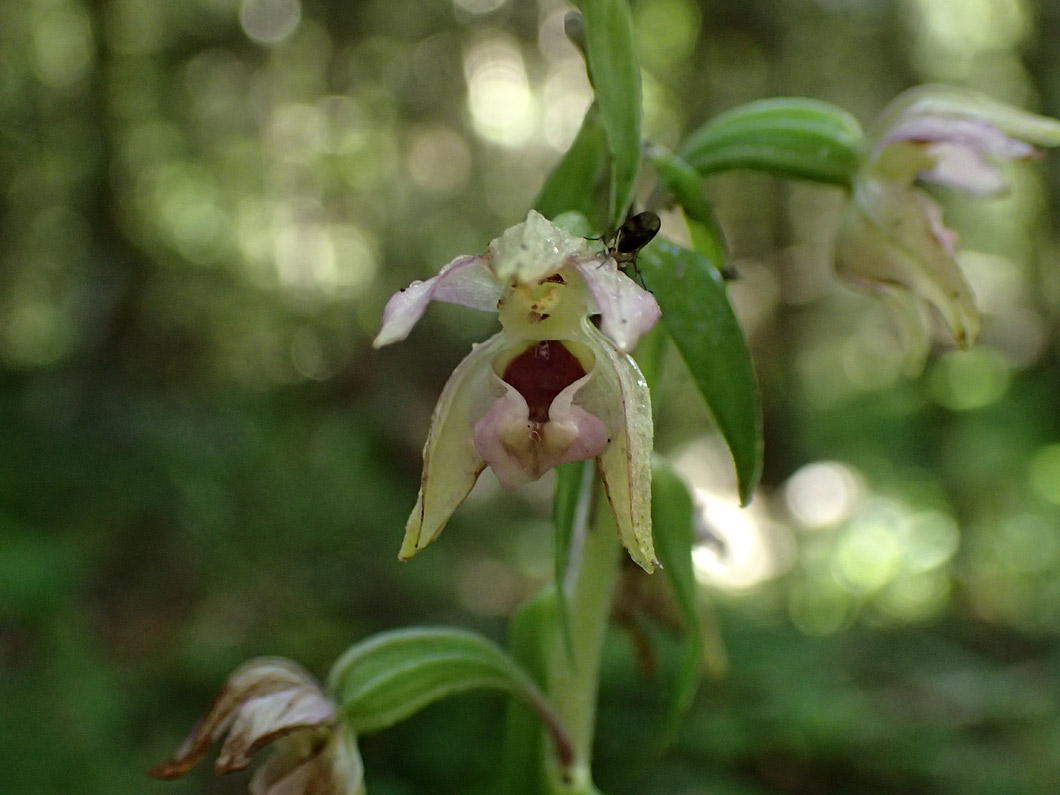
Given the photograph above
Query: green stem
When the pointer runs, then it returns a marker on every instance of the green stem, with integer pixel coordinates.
(574, 668)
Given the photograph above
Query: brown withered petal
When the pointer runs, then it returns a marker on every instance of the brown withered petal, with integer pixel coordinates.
(262, 700)
(312, 763)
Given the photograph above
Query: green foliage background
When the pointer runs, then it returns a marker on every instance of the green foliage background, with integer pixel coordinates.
(205, 204)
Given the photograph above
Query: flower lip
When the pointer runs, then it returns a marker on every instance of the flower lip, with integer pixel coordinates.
(540, 373)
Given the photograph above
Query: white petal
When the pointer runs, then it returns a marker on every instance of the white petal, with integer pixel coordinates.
(520, 451)
(964, 169)
(451, 464)
(534, 250)
(619, 395)
(627, 311)
(467, 281)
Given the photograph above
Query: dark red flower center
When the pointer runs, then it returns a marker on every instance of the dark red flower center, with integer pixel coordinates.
(540, 373)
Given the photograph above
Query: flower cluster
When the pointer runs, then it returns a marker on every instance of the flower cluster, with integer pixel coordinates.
(893, 238)
(549, 388)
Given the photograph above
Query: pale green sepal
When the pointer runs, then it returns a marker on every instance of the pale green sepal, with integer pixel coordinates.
(620, 396)
(893, 237)
(533, 250)
(451, 464)
(792, 137)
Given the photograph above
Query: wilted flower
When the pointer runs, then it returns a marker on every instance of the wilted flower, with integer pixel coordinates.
(548, 389)
(893, 237)
(271, 700)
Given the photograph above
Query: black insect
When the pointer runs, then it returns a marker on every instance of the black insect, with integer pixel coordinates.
(632, 236)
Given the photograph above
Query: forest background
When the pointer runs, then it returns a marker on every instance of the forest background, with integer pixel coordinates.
(205, 204)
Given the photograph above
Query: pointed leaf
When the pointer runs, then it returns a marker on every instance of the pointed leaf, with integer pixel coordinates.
(615, 74)
(390, 676)
(792, 137)
(699, 318)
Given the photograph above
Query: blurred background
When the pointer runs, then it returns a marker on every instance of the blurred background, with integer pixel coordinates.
(205, 204)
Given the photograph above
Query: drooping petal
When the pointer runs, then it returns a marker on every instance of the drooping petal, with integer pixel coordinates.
(467, 281)
(301, 765)
(262, 700)
(949, 104)
(894, 236)
(520, 450)
(619, 395)
(451, 464)
(534, 250)
(627, 310)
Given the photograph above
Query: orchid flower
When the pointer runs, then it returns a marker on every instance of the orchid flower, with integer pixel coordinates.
(271, 700)
(548, 389)
(893, 237)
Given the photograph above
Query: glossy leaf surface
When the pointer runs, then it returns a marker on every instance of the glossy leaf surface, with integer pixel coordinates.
(802, 138)
(699, 318)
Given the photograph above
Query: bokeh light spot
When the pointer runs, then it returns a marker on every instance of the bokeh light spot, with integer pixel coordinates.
(823, 493)
(438, 160)
(819, 607)
(869, 551)
(972, 379)
(1045, 473)
(666, 31)
(270, 21)
(502, 107)
(62, 46)
(741, 548)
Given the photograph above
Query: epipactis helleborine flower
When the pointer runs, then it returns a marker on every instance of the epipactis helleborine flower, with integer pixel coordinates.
(548, 389)
(266, 701)
(893, 238)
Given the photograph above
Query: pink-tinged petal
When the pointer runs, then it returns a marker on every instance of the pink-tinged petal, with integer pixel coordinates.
(954, 152)
(950, 104)
(968, 132)
(451, 464)
(627, 311)
(894, 237)
(520, 450)
(534, 250)
(467, 281)
(619, 395)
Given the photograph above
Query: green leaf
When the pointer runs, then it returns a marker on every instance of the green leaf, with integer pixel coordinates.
(390, 676)
(802, 138)
(686, 184)
(578, 181)
(672, 513)
(615, 74)
(699, 318)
